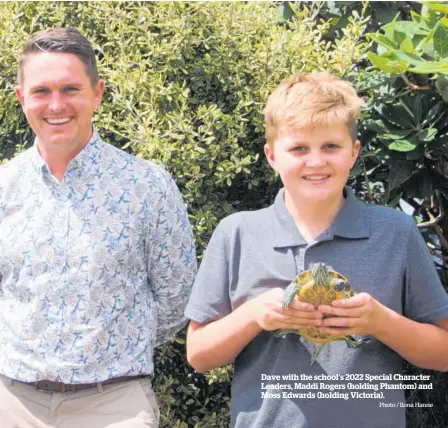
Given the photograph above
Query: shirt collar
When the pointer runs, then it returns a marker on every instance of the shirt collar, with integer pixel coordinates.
(351, 222)
(85, 160)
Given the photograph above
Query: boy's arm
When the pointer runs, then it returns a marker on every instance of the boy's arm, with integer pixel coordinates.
(422, 344)
(217, 343)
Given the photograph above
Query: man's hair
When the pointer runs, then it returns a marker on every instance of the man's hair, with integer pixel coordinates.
(61, 40)
(307, 100)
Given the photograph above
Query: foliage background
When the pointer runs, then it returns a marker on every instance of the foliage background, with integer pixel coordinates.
(186, 84)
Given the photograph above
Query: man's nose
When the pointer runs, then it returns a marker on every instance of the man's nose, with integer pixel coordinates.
(56, 102)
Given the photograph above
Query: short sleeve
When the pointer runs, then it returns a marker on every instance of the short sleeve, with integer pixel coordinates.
(425, 299)
(210, 299)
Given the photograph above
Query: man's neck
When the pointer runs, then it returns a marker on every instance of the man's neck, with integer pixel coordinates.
(313, 219)
(58, 159)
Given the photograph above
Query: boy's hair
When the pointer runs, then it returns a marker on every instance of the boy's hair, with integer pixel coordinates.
(311, 99)
(61, 40)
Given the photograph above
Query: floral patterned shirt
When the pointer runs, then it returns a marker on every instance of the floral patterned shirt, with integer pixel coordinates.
(95, 270)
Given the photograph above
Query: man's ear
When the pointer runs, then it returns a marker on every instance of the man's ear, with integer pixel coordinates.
(269, 153)
(19, 94)
(98, 90)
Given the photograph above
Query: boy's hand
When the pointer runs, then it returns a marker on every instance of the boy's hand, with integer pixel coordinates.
(360, 314)
(269, 314)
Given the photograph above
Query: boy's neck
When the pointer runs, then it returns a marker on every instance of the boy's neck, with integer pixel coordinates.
(313, 219)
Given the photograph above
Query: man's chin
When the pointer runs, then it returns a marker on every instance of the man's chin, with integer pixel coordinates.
(54, 141)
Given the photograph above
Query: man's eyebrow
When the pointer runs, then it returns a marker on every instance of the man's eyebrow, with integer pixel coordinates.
(66, 85)
(37, 87)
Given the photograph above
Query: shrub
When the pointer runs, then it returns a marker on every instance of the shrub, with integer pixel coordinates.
(186, 84)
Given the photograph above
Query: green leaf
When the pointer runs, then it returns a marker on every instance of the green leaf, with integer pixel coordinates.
(425, 42)
(416, 17)
(410, 28)
(399, 172)
(397, 134)
(418, 153)
(397, 31)
(382, 40)
(444, 21)
(440, 40)
(407, 46)
(285, 12)
(408, 57)
(386, 65)
(395, 200)
(399, 115)
(402, 146)
(437, 6)
(389, 29)
(427, 134)
(444, 94)
(430, 67)
(374, 125)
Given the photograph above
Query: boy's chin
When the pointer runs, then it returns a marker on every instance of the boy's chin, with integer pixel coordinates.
(317, 195)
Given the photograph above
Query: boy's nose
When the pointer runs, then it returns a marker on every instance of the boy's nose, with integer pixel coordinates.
(315, 159)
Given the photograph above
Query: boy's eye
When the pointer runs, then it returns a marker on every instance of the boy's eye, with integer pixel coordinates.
(40, 91)
(331, 146)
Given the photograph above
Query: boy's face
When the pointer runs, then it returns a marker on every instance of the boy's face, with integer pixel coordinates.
(313, 163)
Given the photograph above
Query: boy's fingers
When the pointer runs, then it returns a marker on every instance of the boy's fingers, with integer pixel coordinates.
(296, 313)
(360, 299)
(340, 322)
(301, 306)
(341, 312)
(301, 323)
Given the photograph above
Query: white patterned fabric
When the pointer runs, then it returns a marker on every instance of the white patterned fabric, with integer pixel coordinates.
(95, 270)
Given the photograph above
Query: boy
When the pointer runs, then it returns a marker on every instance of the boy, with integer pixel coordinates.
(252, 257)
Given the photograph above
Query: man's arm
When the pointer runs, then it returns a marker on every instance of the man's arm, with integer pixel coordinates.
(217, 343)
(171, 261)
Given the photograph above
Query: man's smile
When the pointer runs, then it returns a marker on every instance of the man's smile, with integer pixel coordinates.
(58, 121)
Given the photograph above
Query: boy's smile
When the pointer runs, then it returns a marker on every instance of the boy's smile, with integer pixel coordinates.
(314, 162)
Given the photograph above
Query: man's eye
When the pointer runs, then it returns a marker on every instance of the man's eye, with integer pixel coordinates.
(40, 91)
(70, 89)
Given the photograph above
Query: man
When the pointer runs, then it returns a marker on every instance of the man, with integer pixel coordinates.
(96, 256)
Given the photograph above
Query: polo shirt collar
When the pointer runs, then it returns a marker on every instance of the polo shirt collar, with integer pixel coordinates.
(351, 222)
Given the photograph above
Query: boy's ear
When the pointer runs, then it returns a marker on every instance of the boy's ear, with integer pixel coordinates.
(269, 153)
(355, 152)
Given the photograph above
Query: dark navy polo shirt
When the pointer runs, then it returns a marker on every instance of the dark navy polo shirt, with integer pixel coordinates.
(380, 251)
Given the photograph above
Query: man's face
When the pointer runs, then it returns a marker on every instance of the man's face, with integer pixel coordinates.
(314, 163)
(58, 100)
